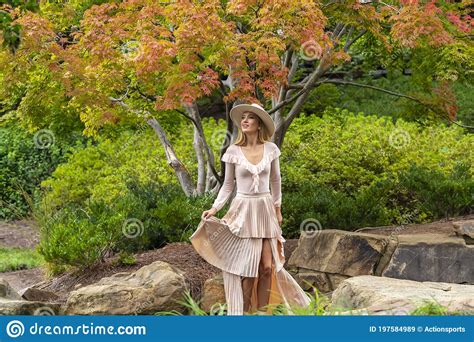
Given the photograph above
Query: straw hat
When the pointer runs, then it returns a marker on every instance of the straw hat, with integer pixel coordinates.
(237, 112)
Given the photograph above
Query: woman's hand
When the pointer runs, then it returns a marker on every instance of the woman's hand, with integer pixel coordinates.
(279, 216)
(208, 213)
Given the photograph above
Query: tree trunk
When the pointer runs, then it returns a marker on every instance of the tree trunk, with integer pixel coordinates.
(179, 168)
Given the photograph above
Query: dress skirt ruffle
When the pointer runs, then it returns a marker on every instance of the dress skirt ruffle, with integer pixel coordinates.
(234, 245)
(252, 215)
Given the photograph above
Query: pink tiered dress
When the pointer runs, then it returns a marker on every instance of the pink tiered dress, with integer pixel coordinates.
(234, 243)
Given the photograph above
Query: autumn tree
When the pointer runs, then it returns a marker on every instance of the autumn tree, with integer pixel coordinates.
(149, 60)
(9, 29)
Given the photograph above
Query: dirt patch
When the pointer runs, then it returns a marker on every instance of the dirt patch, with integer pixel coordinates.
(20, 233)
(24, 278)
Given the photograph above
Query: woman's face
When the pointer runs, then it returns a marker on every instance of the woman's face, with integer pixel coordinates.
(249, 123)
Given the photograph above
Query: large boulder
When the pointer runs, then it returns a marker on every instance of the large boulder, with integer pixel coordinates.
(337, 251)
(383, 295)
(6, 291)
(11, 303)
(330, 256)
(428, 257)
(152, 288)
(465, 229)
(326, 258)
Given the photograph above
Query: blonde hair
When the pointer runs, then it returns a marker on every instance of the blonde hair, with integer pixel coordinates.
(262, 134)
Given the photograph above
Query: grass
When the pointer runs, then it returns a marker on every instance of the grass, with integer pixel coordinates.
(433, 308)
(14, 259)
(319, 306)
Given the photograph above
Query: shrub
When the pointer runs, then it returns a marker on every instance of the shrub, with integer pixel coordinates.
(90, 203)
(24, 164)
(349, 171)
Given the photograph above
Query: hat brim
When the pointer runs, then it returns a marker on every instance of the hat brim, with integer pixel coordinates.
(237, 112)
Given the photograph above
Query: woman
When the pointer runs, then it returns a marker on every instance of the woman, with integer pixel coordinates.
(247, 243)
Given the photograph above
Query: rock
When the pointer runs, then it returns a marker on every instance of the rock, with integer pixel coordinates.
(465, 229)
(213, 293)
(426, 257)
(289, 246)
(336, 279)
(339, 252)
(152, 288)
(34, 294)
(328, 257)
(6, 291)
(383, 295)
(309, 278)
(23, 307)
(11, 303)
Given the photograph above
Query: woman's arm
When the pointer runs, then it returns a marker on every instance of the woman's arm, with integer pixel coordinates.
(275, 182)
(227, 187)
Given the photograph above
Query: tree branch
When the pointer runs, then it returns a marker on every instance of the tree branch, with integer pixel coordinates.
(350, 42)
(334, 81)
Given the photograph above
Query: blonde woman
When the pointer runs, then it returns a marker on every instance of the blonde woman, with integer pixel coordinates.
(247, 243)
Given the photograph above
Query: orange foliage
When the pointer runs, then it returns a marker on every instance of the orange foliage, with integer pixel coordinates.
(179, 51)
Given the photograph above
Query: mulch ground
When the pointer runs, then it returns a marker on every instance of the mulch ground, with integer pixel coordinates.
(180, 254)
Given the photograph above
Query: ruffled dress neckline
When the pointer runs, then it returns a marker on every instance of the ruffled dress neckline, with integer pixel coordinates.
(261, 160)
(254, 169)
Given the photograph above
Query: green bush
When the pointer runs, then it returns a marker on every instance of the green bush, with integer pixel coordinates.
(320, 207)
(26, 159)
(348, 171)
(146, 217)
(346, 151)
(415, 195)
(104, 191)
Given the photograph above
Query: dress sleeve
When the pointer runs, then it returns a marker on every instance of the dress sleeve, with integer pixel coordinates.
(227, 186)
(275, 180)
